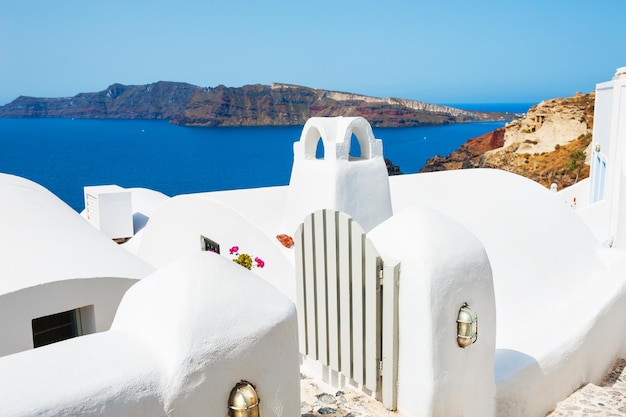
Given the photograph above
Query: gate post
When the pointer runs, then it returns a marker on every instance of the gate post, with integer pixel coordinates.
(444, 267)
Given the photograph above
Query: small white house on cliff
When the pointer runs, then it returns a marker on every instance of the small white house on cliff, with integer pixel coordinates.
(470, 293)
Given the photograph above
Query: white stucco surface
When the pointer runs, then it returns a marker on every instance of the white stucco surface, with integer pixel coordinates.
(49, 242)
(19, 308)
(443, 267)
(109, 209)
(144, 203)
(547, 265)
(181, 339)
(261, 207)
(54, 261)
(533, 240)
(576, 195)
(174, 231)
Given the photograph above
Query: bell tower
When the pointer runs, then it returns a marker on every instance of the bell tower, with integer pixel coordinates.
(357, 185)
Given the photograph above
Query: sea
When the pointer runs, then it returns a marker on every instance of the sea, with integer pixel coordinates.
(65, 155)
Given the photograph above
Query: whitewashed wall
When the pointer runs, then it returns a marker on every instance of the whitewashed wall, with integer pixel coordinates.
(54, 261)
(19, 308)
(442, 267)
(182, 338)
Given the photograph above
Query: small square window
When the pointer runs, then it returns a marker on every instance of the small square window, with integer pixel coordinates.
(209, 245)
(62, 326)
(55, 327)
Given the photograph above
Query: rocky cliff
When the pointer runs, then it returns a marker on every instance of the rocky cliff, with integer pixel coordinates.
(282, 104)
(250, 105)
(550, 144)
(161, 100)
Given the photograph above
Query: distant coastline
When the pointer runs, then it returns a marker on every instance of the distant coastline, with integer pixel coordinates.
(251, 105)
(517, 108)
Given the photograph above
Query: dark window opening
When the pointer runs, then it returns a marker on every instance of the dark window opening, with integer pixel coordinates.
(209, 245)
(56, 327)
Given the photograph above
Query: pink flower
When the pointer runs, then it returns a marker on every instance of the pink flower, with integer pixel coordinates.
(259, 262)
(234, 249)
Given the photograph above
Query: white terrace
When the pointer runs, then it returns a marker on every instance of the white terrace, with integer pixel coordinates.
(469, 293)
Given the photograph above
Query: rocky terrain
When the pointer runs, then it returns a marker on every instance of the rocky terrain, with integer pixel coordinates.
(250, 105)
(391, 168)
(550, 144)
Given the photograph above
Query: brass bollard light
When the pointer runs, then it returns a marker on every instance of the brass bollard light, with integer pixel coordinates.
(243, 401)
(467, 326)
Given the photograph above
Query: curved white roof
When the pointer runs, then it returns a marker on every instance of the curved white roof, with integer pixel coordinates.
(144, 202)
(175, 229)
(180, 340)
(539, 249)
(44, 240)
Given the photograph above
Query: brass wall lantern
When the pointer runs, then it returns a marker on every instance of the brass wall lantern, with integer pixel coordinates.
(243, 401)
(467, 326)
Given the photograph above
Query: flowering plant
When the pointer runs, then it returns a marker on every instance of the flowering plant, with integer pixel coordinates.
(246, 260)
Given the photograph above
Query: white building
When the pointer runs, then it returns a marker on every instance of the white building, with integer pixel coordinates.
(543, 280)
(55, 264)
(167, 342)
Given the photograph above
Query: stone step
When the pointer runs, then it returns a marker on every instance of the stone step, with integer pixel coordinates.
(607, 399)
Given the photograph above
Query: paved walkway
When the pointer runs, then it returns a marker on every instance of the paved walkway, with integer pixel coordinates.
(319, 400)
(605, 400)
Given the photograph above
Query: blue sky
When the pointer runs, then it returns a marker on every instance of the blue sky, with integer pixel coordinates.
(434, 51)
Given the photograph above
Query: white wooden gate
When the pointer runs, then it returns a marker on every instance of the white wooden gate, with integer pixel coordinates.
(347, 302)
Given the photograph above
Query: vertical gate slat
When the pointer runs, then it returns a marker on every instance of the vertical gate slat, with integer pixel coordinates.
(309, 282)
(390, 335)
(346, 319)
(356, 259)
(300, 289)
(333, 293)
(372, 324)
(344, 224)
(320, 285)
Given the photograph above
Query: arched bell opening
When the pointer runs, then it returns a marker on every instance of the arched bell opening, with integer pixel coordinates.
(361, 139)
(355, 147)
(319, 149)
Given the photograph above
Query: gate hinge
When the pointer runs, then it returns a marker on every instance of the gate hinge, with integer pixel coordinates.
(380, 366)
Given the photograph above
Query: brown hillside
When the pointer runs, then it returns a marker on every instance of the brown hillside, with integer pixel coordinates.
(548, 145)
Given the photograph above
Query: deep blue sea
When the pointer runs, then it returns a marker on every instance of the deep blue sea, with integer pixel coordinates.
(64, 155)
